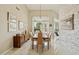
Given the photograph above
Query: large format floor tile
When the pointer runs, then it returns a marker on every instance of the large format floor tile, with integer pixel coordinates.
(26, 49)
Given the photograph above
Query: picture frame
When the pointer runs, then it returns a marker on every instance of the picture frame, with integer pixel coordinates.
(20, 25)
(68, 24)
(11, 22)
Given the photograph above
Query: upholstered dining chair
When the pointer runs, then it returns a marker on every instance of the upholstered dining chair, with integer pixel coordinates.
(46, 41)
(40, 42)
(46, 44)
(34, 42)
(31, 37)
(50, 36)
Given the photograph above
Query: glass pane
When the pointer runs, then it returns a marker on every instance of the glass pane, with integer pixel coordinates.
(12, 26)
(21, 25)
(12, 19)
(40, 24)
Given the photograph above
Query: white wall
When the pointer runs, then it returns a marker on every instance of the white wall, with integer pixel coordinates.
(6, 41)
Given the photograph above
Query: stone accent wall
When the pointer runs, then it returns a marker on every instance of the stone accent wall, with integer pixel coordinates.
(68, 41)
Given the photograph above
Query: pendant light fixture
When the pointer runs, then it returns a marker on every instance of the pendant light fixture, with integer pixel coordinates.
(40, 11)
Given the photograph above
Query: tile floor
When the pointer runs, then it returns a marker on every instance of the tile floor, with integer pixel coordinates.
(26, 49)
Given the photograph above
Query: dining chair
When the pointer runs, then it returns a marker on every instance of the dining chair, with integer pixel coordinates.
(46, 41)
(40, 42)
(34, 42)
(31, 36)
(50, 36)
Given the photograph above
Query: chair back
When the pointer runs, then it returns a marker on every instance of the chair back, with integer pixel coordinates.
(40, 39)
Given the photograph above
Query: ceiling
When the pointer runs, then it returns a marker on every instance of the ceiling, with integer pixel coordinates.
(54, 7)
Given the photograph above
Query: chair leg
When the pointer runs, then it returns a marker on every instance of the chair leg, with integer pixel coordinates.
(48, 44)
(42, 48)
(37, 48)
(32, 44)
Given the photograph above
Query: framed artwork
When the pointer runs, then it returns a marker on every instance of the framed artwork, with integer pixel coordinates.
(12, 26)
(20, 25)
(11, 22)
(68, 24)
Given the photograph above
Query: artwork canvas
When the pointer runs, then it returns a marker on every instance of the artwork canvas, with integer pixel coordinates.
(68, 24)
(11, 22)
(20, 25)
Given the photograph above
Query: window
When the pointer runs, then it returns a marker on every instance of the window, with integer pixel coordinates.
(56, 25)
(40, 24)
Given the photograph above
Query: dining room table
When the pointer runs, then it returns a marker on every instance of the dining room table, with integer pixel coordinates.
(45, 37)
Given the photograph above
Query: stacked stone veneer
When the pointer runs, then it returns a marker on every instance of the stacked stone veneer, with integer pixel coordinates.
(68, 41)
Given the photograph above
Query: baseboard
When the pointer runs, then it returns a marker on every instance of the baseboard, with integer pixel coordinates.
(6, 51)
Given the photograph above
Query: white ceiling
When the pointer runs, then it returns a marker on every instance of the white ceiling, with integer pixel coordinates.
(54, 7)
